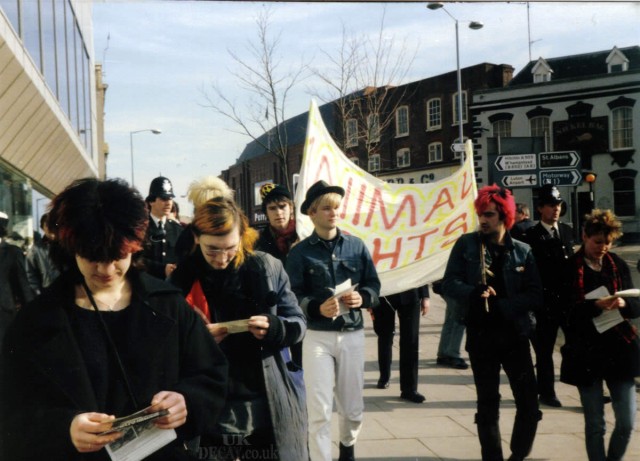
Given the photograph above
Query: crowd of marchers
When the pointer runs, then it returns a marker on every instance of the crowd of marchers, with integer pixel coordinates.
(238, 344)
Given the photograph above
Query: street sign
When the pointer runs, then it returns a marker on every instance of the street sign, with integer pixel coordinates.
(520, 180)
(570, 177)
(559, 160)
(457, 147)
(516, 162)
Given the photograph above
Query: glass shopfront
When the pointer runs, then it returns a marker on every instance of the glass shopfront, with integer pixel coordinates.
(15, 201)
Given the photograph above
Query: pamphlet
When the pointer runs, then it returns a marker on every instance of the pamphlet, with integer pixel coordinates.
(235, 326)
(341, 290)
(607, 319)
(140, 436)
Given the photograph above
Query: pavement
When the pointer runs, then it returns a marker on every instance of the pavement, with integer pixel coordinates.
(442, 427)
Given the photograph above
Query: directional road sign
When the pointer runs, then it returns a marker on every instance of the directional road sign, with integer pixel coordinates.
(570, 177)
(516, 162)
(520, 180)
(559, 160)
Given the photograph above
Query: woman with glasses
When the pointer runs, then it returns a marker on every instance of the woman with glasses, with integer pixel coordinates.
(105, 340)
(253, 316)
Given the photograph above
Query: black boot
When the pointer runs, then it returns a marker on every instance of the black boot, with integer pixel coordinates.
(489, 435)
(346, 453)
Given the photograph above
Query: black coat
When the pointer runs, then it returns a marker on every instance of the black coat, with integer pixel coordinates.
(160, 247)
(14, 286)
(45, 382)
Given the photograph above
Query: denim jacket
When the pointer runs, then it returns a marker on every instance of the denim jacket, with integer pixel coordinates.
(522, 281)
(315, 270)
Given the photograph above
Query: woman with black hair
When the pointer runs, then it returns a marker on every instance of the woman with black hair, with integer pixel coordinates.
(104, 340)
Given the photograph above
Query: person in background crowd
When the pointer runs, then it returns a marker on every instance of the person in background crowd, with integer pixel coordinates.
(523, 221)
(451, 334)
(496, 279)
(15, 291)
(333, 349)
(175, 213)
(265, 410)
(409, 305)
(598, 349)
(104, 340)
(552, 244)
(159, 252)
(198, 193)
(41, 270)
(279, 235)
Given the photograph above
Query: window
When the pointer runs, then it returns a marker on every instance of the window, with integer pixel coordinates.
(403, 158)
(541, 78)
(539, 127)
(402, 121)
(624, 192)
(374, 162)
(621, 128)
(455, 107)
(352, 132)
(435, 152)
(373, 127)
(617, 61)
(502, 129)
(434, 114)
(355, 160)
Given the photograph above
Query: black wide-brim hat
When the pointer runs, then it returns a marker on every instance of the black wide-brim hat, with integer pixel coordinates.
(319, 188)
(549, 195)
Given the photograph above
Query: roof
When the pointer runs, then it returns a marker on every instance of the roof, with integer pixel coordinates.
(578, 65)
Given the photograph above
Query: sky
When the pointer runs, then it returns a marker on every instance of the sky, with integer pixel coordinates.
(160, 59)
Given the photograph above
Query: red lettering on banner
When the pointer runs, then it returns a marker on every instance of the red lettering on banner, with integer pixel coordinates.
(449, 229)
(359, 200)
(467, 187)
(422, 238)
(377, 199)
(326, 165)
(377, 255)
(345, 200)
(444, 198)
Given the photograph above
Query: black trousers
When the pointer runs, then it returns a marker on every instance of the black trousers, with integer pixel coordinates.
(384, 326)
(543, 343)
(487, 355)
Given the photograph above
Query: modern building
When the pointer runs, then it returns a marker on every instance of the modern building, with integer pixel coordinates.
(51, 103)
(404, 136)
(565, 121)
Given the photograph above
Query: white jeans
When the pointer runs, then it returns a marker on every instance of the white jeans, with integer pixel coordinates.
(333, 359)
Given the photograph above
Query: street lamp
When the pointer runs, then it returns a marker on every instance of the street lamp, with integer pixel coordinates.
(474, 25)
(131, 133)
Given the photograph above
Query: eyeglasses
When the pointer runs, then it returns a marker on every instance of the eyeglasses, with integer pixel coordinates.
(214, 252)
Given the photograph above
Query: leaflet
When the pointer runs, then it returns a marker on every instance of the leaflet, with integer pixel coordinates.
(235, 326)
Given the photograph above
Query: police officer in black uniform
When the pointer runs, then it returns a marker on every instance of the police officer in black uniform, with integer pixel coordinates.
(552, 243)
(159, 253)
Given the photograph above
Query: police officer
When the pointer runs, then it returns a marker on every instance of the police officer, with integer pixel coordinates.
(159, 250)
(552, 243)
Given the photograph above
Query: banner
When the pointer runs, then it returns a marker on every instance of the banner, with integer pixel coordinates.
(408, 228)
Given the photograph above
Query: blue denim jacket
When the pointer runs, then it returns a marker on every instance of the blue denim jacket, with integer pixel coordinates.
(315, 270)
(522, 281)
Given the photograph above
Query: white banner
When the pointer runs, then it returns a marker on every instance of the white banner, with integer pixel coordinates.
(408, 228)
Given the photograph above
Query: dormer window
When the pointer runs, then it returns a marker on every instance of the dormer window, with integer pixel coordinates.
(541, 71)
(617, 61)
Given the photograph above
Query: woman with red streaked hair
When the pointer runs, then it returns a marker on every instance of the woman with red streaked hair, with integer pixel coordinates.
(105, 341)
(495, 279)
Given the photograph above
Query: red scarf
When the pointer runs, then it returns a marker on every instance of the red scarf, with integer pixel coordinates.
(285, 237)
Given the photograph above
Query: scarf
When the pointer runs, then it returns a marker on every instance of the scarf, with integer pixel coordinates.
(285, 237)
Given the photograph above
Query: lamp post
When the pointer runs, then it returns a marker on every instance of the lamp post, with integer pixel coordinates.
(474, 25)
(131, 133)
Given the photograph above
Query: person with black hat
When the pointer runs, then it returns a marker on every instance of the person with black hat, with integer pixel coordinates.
(552, 244)
(280, 235)
(159, 253)
(334, 278)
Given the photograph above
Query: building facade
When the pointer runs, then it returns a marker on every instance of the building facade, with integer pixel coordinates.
(562, 121)
(51, 103)
(404, 136)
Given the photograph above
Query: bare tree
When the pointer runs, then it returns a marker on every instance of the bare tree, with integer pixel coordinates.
(268, 87)
(361, 80)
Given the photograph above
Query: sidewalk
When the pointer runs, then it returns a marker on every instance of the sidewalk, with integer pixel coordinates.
(442, 428)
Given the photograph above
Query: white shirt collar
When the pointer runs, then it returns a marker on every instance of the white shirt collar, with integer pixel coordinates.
(548, 228)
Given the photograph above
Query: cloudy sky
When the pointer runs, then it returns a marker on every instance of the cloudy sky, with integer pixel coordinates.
(159, 57)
